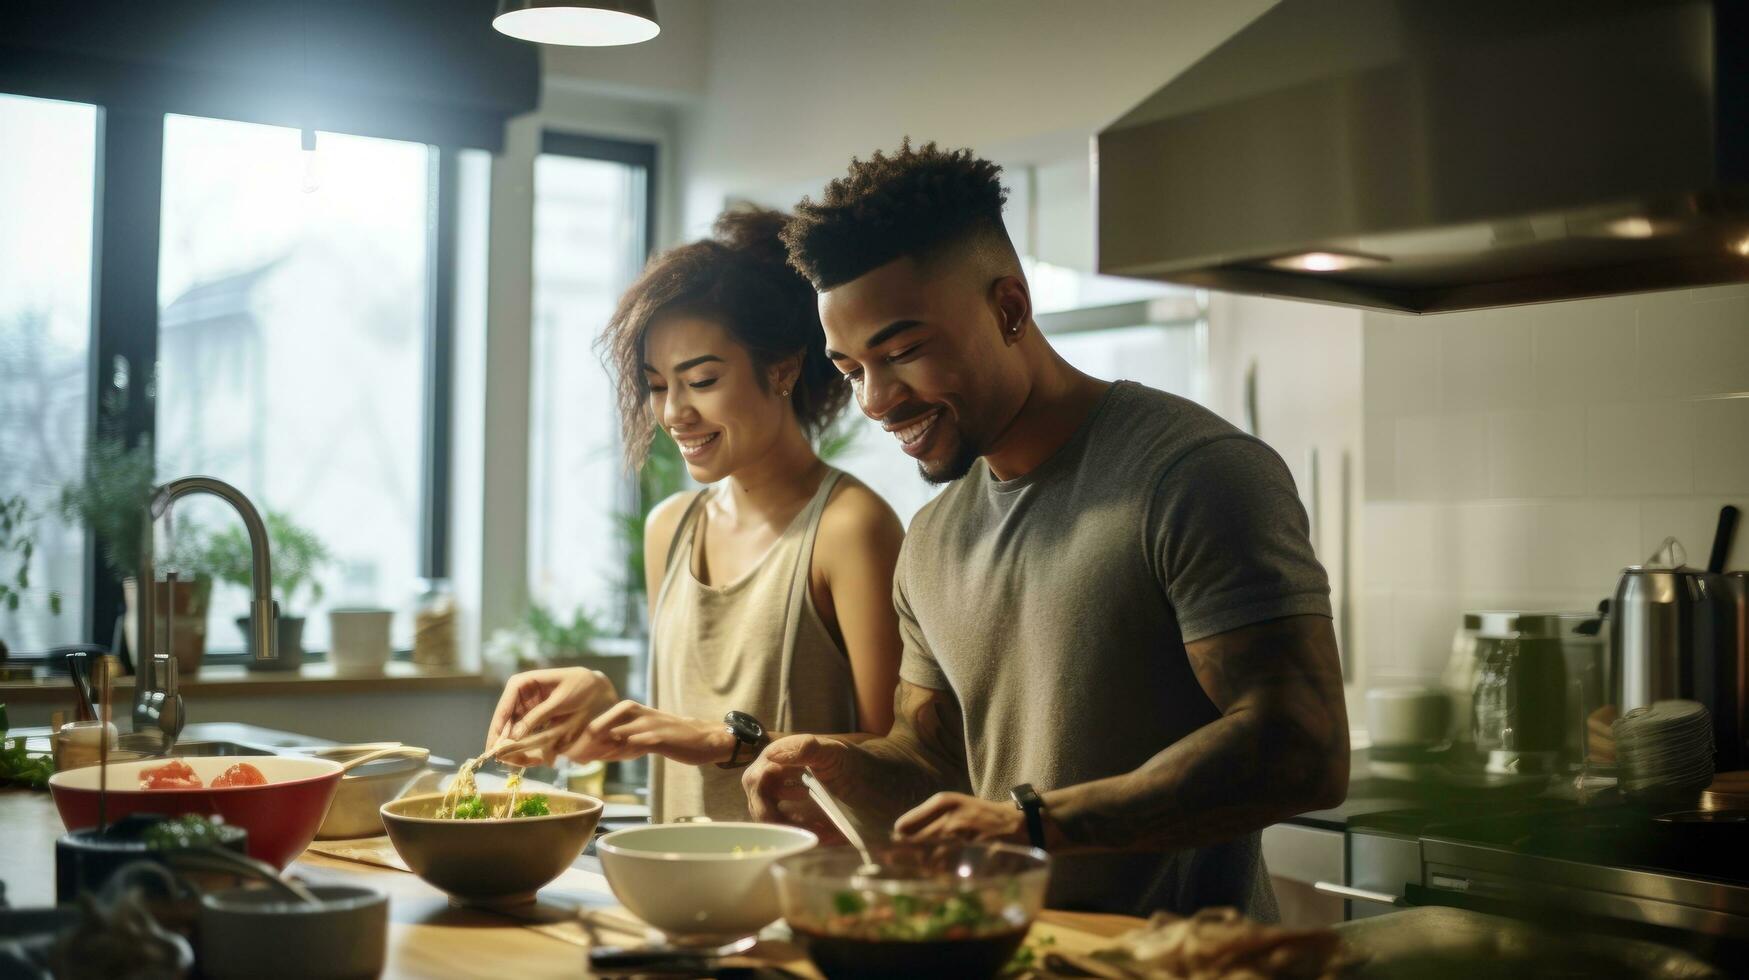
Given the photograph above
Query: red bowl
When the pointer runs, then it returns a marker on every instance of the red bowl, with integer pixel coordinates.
(280, 816)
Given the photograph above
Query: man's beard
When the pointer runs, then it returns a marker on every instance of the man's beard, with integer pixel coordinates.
(959, 464)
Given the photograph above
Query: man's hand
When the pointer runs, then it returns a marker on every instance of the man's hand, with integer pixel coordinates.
(629, 730)
(559, 702)
(775, 793)
(958, 817)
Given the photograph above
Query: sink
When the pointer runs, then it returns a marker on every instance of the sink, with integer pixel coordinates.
(212, 748)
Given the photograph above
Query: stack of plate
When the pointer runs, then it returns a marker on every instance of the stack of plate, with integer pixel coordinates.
(1665, 747)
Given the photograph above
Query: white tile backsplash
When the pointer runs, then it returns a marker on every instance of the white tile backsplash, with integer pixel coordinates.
(1400, 363)
(1521, 457)
(1442, 457)
(1585, 352)
(1721, 435)
(1695, 348)
(1538, 453)
(1485, 363)
(1582, 545)
(1640, 449)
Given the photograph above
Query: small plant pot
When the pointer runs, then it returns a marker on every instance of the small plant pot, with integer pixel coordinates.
(358, 640)
(291, 644)
(181, 619)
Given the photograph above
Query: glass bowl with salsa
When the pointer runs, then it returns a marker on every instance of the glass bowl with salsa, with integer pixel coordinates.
(930, 911)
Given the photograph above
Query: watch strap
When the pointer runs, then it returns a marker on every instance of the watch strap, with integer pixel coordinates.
(1032, 807)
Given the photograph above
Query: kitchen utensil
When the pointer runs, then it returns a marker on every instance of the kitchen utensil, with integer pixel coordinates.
(79, 673)
(370, 778)
(934, 911)
(1408, 717)
(492, 862)
(824, 799)
(688, 961)
(700, 884)
(256, 933)
(1519, 707)
(1651, 645)
(1734, 597)
(1713, 673)
(103, 688)
(1722, 539)
(75, 744)
(280, 816)
(358, 640)
(1665, 749)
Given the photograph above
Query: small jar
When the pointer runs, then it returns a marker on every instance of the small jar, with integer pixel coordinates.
(434, 626)
(78, 744)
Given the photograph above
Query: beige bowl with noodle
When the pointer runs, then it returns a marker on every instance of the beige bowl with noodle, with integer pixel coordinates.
(491, 862)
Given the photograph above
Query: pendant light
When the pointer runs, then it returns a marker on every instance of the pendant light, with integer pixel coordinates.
(584, 23)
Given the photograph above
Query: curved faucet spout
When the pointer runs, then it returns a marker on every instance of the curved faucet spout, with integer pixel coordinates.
(153, 687)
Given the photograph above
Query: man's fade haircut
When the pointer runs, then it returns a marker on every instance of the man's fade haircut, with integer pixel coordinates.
(914, 202)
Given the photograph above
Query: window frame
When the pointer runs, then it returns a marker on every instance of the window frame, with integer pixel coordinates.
(127, 201)
(642, 154)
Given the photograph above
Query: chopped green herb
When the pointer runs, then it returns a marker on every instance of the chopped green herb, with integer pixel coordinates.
(189, 831)
(848, 903)
(19, 766)
(472, 808)
(533, 806)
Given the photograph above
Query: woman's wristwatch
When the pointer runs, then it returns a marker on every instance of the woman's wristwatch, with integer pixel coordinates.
(1033, 806)
(749, 736)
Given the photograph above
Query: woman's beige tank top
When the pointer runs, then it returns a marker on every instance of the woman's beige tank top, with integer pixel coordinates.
(755, 645)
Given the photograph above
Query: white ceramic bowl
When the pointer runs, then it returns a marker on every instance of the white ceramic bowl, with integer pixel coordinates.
(256, 933)
(688, 881)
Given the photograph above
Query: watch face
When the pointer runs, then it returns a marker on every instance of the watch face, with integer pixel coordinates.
(745, 727)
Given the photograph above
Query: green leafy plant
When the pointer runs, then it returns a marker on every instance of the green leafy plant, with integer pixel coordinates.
(556, 638)
(111, 500)
(18, 537)
(19, 766)
(296, 556)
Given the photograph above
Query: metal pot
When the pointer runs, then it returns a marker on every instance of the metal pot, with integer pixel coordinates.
(356, 810)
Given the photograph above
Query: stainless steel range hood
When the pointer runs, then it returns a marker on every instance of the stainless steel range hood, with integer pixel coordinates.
(1432, 155)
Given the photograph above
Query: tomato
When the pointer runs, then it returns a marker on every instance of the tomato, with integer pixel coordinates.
(171, 775)
(241, 774)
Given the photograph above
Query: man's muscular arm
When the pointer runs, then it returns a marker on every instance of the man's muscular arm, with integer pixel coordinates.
(879, 778)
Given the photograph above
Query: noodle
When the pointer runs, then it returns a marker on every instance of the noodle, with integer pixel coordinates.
(464, 787)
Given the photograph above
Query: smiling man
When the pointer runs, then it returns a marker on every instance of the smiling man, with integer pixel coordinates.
(1117, 641)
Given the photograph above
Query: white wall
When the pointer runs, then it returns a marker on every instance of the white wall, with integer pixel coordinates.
(795, 88)
(1518, 458)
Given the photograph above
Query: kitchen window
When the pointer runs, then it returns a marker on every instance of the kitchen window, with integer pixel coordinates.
(46, 209)
(291, 338)
(593, 206)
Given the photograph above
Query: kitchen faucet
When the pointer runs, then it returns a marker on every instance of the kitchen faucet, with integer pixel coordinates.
(157, 702)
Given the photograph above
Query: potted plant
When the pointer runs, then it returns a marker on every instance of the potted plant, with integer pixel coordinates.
(296, 556)
(110, 502)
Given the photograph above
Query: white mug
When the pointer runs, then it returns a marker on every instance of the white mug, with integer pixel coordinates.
(358, 640)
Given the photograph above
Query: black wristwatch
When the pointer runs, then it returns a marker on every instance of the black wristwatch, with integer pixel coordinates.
(748, 733)
(1033, 805)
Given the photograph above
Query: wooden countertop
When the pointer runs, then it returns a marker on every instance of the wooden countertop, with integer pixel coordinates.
(428, 938)
(238, 681)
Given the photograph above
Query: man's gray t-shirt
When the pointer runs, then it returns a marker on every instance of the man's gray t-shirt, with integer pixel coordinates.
(1056, 607)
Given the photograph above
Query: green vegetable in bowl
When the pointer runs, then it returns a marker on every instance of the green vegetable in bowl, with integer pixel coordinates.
(533, 806)
(912, 918)
(184, 832)
(472, 808)
(475, 808)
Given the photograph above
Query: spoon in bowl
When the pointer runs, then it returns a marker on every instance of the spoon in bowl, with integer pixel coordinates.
(835, 813)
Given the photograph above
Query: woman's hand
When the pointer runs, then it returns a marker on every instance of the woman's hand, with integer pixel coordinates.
(558, 702)
(629, 730)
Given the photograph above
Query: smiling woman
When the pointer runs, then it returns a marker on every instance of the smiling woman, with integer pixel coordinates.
(771, 589)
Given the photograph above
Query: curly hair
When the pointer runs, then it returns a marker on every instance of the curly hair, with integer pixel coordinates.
(910, 203)
(740, 278)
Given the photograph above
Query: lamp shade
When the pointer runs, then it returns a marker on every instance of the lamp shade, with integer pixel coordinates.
(583, 23)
